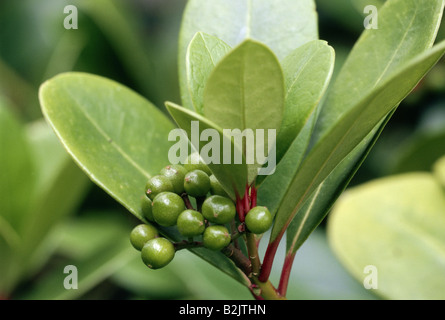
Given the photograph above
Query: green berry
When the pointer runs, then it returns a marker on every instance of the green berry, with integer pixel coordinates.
(194, 162)
(146, 208)
(141, 234)
(216, 237)
(216, 187)
(218, 209)
(176, 174)
(167, 206)
(157, 253)
(258, 220)
(158, 184)
(191, 223)
(197, 183)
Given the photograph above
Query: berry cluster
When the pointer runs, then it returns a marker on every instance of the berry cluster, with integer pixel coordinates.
(190, 198)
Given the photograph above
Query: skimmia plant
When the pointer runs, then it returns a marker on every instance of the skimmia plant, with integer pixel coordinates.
(255, 66)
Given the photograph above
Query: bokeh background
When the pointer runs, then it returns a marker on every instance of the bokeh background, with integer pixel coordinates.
(135, 43)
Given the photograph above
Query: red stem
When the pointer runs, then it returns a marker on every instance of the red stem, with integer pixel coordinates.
(246, 200)
(240, 209)
(266, 268)
(253, 196)
(285, 274)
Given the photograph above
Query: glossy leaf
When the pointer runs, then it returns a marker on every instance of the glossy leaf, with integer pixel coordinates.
(203, 54)
(232, 176)
(396, 225)
(282, 26)
(246, 91)
(307, 71)
(317, 206)
(349, 132)
(378, 53)
(117, 137)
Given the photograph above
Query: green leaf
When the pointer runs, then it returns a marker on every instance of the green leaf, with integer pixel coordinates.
(232, 176)
(317, 206)
(348, 133)
(395, 224)
(203, 54)
(307, 71)
(282, 26)
(439, 170)
(16, 178)
(379, 53)
(117, 137)
(246, 91)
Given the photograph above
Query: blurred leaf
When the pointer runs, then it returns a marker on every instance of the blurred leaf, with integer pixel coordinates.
(241, 95)
(118, 24)
(91, 271)
(60, 188)
(439, 170)
(307, 71)
(203, 54)
(157, 284)
(82, 236)
(16, 178)
(232, 176)
(395, 224)
(281, 26)
(419, 152)
(117, 137)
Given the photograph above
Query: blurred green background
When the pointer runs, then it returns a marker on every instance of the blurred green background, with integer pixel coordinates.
(66, 220)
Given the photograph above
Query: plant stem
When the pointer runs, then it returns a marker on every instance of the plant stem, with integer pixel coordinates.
(285, 273)
(267, 290)
(187, 202)
(268, 260)
(252, 249)
(240, 260)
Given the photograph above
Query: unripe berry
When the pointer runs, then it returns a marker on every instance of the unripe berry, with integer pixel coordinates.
(190, 223)
(218, 209)
(146, 208)
(258, 220)
(194, 162)
(167, 206)
(216, 237)
(158, 184)
(157, 253)
(176, 174)
(197, 183)
(141, 234)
